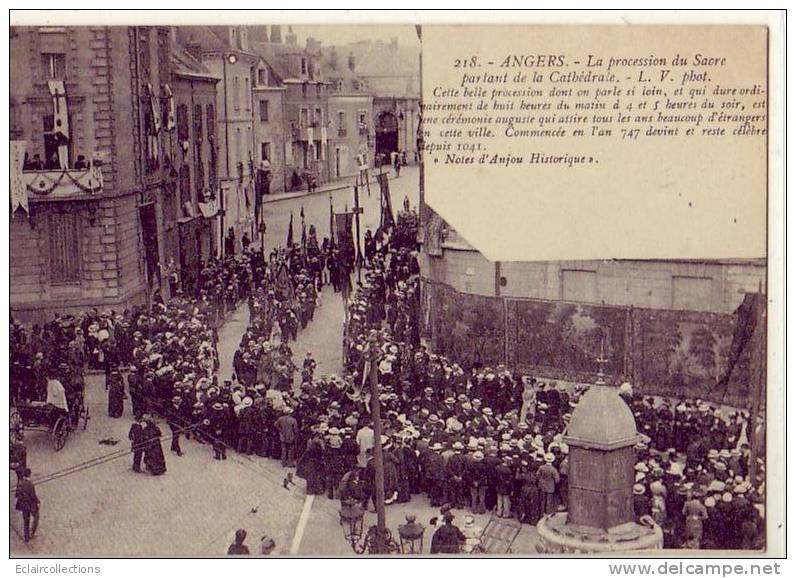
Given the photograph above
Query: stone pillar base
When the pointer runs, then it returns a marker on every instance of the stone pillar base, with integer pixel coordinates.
(558, 537)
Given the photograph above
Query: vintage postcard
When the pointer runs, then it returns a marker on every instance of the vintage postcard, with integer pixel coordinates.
(303, 284)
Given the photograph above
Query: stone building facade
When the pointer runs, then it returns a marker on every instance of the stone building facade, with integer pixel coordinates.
(93, 178)
(190, 216)
(226, 53)
(269, 103)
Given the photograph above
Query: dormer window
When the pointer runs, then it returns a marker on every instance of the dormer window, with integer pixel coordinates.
(262, 77)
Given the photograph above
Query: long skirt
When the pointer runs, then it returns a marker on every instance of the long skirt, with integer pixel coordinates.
(154, 460)
(116, 400)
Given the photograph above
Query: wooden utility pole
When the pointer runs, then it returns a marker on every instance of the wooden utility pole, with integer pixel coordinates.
(758, 380)
(378, 456)
(357, 211)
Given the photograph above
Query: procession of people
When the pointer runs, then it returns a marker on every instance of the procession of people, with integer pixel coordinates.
(467, 436)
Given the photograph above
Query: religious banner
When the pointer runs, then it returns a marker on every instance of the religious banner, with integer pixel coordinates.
(171, 113)
(387, 217)
(60, 120)
(19, 188)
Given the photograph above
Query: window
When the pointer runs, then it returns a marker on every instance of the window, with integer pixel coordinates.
(185, 186)
(363, 117)
(198, 161)
(341, 123)
(318, 89)
(303, 117)
(182, 123)
(53, 143)
(211, 121)
(265, 151)
(318, 117)
(238, 146)
(197, 123)
(318, 152)
(264, 110)
(246, 94)
(304, 68)
(64, 248)
(236, 93)
(54, 65)
(262, 77)
(304, 90)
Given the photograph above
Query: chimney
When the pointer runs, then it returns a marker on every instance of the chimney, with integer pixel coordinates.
(276, 34)
(193, 48)
(313, 46)
(333, 58)
(291, 37)
(351, 62)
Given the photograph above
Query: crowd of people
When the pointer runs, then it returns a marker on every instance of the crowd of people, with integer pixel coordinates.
(482, 438)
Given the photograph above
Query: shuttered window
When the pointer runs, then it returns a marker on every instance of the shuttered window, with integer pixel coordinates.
(64, 249)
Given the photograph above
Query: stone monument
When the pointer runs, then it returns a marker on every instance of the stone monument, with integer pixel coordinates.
(601, 436)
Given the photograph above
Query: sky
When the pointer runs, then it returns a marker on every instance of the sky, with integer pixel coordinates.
(330, 34)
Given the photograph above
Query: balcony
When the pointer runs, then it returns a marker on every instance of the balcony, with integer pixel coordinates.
(307, 133)
(63, 184)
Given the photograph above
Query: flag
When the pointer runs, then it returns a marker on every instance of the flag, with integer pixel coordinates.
(745, 324)
(290, 232)
(345, 238)
(331, 220)
(19, 188)
(303, 229)
(387, 217)
(284, 282)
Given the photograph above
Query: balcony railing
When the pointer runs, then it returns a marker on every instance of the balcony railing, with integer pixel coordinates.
(63, 183)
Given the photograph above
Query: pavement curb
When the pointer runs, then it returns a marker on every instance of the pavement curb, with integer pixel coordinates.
(300, 194)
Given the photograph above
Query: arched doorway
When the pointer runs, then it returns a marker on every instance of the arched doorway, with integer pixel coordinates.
(386, 135)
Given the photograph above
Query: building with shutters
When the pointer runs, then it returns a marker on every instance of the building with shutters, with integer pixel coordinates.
(351, 116)
(90, 120)
(226, 53)
(391, 73)
(269, 125)
(306, 122)
(190, 215)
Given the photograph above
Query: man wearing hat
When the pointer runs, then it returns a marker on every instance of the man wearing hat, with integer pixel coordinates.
(477, 482)
(547, 479)
(174, 419)
(448, 539)
(287, 426)
(27, 503)
(455, 472)
(137, 442)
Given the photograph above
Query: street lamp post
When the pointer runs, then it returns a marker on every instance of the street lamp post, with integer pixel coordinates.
(378, 456)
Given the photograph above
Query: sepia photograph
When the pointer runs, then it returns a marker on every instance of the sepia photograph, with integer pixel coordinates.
(323, 289)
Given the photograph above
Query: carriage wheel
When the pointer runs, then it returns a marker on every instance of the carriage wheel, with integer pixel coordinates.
(60, 433)
(15, 426)
(85, 416)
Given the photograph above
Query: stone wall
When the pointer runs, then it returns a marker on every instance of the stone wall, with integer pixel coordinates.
(717, 286)
(111, 274)
(660, 351)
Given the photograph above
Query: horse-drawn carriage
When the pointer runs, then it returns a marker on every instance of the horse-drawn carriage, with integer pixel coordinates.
(55, 419)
